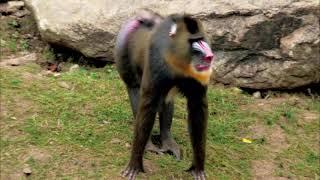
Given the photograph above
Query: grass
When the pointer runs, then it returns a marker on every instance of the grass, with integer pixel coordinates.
(83, 132)
(18, 34)
(48, 55)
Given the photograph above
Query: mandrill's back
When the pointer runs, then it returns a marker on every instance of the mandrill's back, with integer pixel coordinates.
(138, 46)
(132, 44)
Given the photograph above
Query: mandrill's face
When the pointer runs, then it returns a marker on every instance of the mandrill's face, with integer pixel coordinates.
(190, 53)
(190, 41)
(202, 56)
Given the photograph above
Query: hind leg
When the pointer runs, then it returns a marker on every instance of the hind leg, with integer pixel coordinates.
(134, 101)
(167, 141)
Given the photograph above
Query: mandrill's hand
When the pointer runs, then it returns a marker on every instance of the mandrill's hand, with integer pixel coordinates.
(131, 172)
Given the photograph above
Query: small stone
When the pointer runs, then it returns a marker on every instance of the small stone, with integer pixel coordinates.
(21, 14)
(293, 101)
(115, 141)
(236, 90)
(15, 4)
(27, 171)
(74, 68)
(14, 62)
(29, 36)
(3, 42)
(105, 122)
(13, 118)
(127, 145)
(56, 74)
(267, 96)
(46, 73)
(257, 95)
(64, 85)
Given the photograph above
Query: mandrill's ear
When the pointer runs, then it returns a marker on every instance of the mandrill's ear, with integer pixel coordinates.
(173, 30)
(192, 25)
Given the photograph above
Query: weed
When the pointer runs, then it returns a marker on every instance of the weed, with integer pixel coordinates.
(13, 24)
(12, 45)
(15, 82)
(48, 55)
(24, 45)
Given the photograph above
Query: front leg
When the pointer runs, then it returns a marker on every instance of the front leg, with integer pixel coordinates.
(144, 122)
(197, 122)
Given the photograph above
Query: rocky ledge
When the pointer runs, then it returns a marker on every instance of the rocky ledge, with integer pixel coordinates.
(259, 44)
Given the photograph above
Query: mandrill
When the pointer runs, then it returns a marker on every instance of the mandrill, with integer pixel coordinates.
(157, 57)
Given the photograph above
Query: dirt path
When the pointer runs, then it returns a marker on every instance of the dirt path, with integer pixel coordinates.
(275, 136)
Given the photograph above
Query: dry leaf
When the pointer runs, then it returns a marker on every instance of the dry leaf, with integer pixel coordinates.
(246, 140)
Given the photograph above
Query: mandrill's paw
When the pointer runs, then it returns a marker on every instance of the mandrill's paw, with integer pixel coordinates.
(131, 172)
(197, 174)
(171, 145)
(153, 148)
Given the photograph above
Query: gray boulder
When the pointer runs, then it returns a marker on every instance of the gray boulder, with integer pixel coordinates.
(259, 44)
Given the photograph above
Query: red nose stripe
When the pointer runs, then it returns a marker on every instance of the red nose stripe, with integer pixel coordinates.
(207, 50)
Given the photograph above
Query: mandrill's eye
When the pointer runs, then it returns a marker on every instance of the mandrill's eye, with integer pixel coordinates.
(196, 52)
(192, 40)
(195, 39)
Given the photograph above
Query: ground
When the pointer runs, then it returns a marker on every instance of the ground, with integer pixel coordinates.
(78, 125)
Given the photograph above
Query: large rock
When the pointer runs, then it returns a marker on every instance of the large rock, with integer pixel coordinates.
(259, 44)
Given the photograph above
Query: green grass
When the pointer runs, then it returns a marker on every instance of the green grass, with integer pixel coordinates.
(48, 55)
(16, 35)
(75, 129)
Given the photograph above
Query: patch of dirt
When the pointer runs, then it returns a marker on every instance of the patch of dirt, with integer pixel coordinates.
(265, 170)
(309, 117)
(16, 171)
(31, 77)
(18, 60)
(150, 167)
(264, 104)
(275, 137)
(267, 105)
(275, 142)
(71, 163)
(39, 155)
(262, 169)
(87, 108)
(13, 176)
(3, 109)
(258, 131)
(22, 110)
